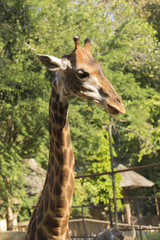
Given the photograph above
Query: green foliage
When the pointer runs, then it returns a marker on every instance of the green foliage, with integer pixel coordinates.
(86, 122)
(128, 49)
(100, 189)
(79, 199)
(23, 111)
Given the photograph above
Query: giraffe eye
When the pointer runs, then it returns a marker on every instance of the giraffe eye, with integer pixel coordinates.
(82, 74)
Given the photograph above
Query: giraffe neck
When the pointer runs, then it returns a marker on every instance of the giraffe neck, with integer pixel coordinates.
(51, 215)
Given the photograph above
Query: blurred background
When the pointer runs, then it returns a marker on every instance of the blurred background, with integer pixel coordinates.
(125, 37)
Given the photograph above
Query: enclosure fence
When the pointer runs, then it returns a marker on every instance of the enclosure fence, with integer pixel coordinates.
(91, 221)
(87, 221)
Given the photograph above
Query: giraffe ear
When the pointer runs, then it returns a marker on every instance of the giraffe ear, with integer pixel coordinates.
(52, 63)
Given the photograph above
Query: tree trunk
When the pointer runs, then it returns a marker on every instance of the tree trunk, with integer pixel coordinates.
(9, 218)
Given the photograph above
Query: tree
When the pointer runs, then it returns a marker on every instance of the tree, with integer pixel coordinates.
(126, 46)
(150, 11)
(23, 112)
(132, 54)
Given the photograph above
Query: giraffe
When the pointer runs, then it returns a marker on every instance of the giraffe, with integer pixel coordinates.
(75, 74)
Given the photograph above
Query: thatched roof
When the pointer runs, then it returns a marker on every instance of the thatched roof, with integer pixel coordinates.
(35, 177)
(132, 179)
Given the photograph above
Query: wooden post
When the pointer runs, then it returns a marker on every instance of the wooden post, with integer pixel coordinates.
(84, 227)
(139, 220)
(110, 214)
(113, 178)
(157, 207)
(127, 206)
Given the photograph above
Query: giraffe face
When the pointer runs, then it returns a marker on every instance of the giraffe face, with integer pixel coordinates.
(84, 77)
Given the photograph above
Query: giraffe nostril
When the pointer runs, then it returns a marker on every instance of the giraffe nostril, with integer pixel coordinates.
(119, 100)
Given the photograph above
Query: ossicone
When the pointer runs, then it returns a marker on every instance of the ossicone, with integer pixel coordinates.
(77, 42)
(87, 43)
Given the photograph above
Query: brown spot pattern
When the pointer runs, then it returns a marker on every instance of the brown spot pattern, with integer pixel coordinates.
(40, 234)
(52, 161)
(57, 189)
(68, 139)
(70, 158)
(51, 224)
(64, 176)
(40, 217)
(54, 106)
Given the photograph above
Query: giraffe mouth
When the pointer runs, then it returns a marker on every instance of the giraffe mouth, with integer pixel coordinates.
(113, 110)
(116, 109)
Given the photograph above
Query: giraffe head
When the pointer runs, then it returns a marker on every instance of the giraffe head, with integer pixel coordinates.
(79, 74)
